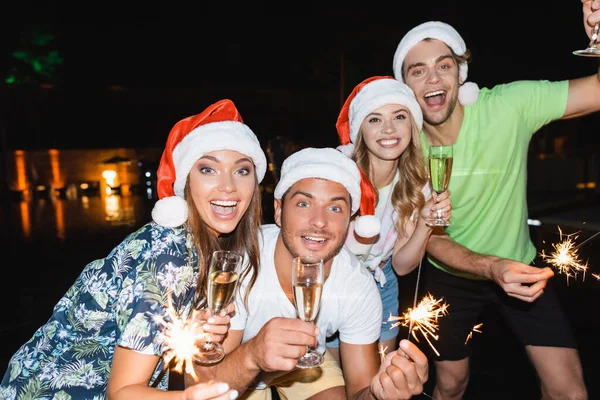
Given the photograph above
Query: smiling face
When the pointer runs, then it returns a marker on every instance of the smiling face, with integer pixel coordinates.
(314, 218)
(431, 71)
(387, 131)
(222, 184)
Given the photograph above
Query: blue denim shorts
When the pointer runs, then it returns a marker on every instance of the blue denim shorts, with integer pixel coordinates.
(391, 305)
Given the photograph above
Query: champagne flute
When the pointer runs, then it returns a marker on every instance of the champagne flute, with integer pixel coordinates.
(307, 282)
(222, 281)
(592, 49)
(440, 169)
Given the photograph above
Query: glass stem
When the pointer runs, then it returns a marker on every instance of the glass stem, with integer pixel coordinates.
(594, 41)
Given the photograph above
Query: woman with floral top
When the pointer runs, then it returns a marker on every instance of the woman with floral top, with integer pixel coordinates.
(103, 339)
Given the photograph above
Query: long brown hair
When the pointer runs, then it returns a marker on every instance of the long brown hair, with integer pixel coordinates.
(243, 239)
(407, 195)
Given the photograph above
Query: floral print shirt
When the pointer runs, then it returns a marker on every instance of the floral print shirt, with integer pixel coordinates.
(118, 300)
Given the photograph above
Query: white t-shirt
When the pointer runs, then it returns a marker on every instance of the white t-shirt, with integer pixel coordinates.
(372, 255)
(350, 302)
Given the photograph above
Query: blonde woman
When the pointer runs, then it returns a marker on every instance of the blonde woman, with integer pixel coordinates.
(378, 128)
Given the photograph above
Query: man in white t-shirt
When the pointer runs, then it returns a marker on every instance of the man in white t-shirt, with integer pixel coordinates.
(318, 192)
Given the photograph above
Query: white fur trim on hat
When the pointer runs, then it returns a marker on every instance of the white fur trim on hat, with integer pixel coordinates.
(222, 135)
(445, 33)
(170, 211)
(379, 93)
(346, 149)
(325, 163)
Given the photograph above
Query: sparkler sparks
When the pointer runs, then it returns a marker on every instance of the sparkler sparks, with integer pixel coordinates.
(565, 257)
(180, 337)
(423, 318)
(476, 328)
(382, 352)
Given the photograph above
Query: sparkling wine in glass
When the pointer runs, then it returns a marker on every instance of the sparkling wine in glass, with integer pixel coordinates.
(592, 49)
(307, 282)
(440, 169)
(222, 282)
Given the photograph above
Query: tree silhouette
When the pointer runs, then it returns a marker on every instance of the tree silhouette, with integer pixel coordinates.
(35, 61)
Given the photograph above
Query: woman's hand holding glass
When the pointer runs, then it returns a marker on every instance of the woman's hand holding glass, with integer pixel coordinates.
(216, 326)
(222, 283)
(436, 204)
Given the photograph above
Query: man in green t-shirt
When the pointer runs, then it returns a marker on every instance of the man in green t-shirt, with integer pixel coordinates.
(486, 255)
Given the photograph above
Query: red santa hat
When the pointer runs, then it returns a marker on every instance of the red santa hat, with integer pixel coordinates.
(469, 91)
(218, 127)
(367, 96)
(331, 164)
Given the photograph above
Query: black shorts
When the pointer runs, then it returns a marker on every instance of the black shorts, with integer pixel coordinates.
(541, 323)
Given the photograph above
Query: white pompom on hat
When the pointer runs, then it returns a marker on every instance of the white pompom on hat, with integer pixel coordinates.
(218, 127)
(331, 164)
(469, 91)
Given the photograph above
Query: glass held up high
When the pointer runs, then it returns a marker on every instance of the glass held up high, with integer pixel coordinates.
(440, 170)
(222, 281)
(592, 49)
(307, 284)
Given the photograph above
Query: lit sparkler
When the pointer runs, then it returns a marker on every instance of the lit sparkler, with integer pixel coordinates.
(180, 336)
(382, 352)
(423, 318)
(476, 328)
(565, 257)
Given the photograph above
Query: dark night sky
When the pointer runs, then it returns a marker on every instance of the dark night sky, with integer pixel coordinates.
(256, 48)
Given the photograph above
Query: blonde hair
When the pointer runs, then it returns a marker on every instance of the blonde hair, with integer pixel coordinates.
(407, 194)
(243, 239)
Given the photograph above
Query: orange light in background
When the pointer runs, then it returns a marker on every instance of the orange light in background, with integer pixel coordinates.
(55, 167)
(112, 207)
(21, 170)
(22, 185)
(60, 219)
(110, 177)
(57, 182)
(25, 219)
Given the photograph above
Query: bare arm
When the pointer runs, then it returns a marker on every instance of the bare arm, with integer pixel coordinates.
(131, 372)
(409, 249)
(517, 279)
(360, 364)
(584, 93)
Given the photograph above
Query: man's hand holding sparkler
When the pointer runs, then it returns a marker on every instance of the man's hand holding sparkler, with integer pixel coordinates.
(520, 280)
(402, 373)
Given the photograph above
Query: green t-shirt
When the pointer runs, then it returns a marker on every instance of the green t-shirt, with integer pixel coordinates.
(489, 177)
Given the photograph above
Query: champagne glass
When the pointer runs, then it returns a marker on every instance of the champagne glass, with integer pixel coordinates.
(592, 49)
(307, 282)
(440, 169)
(222, 281)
